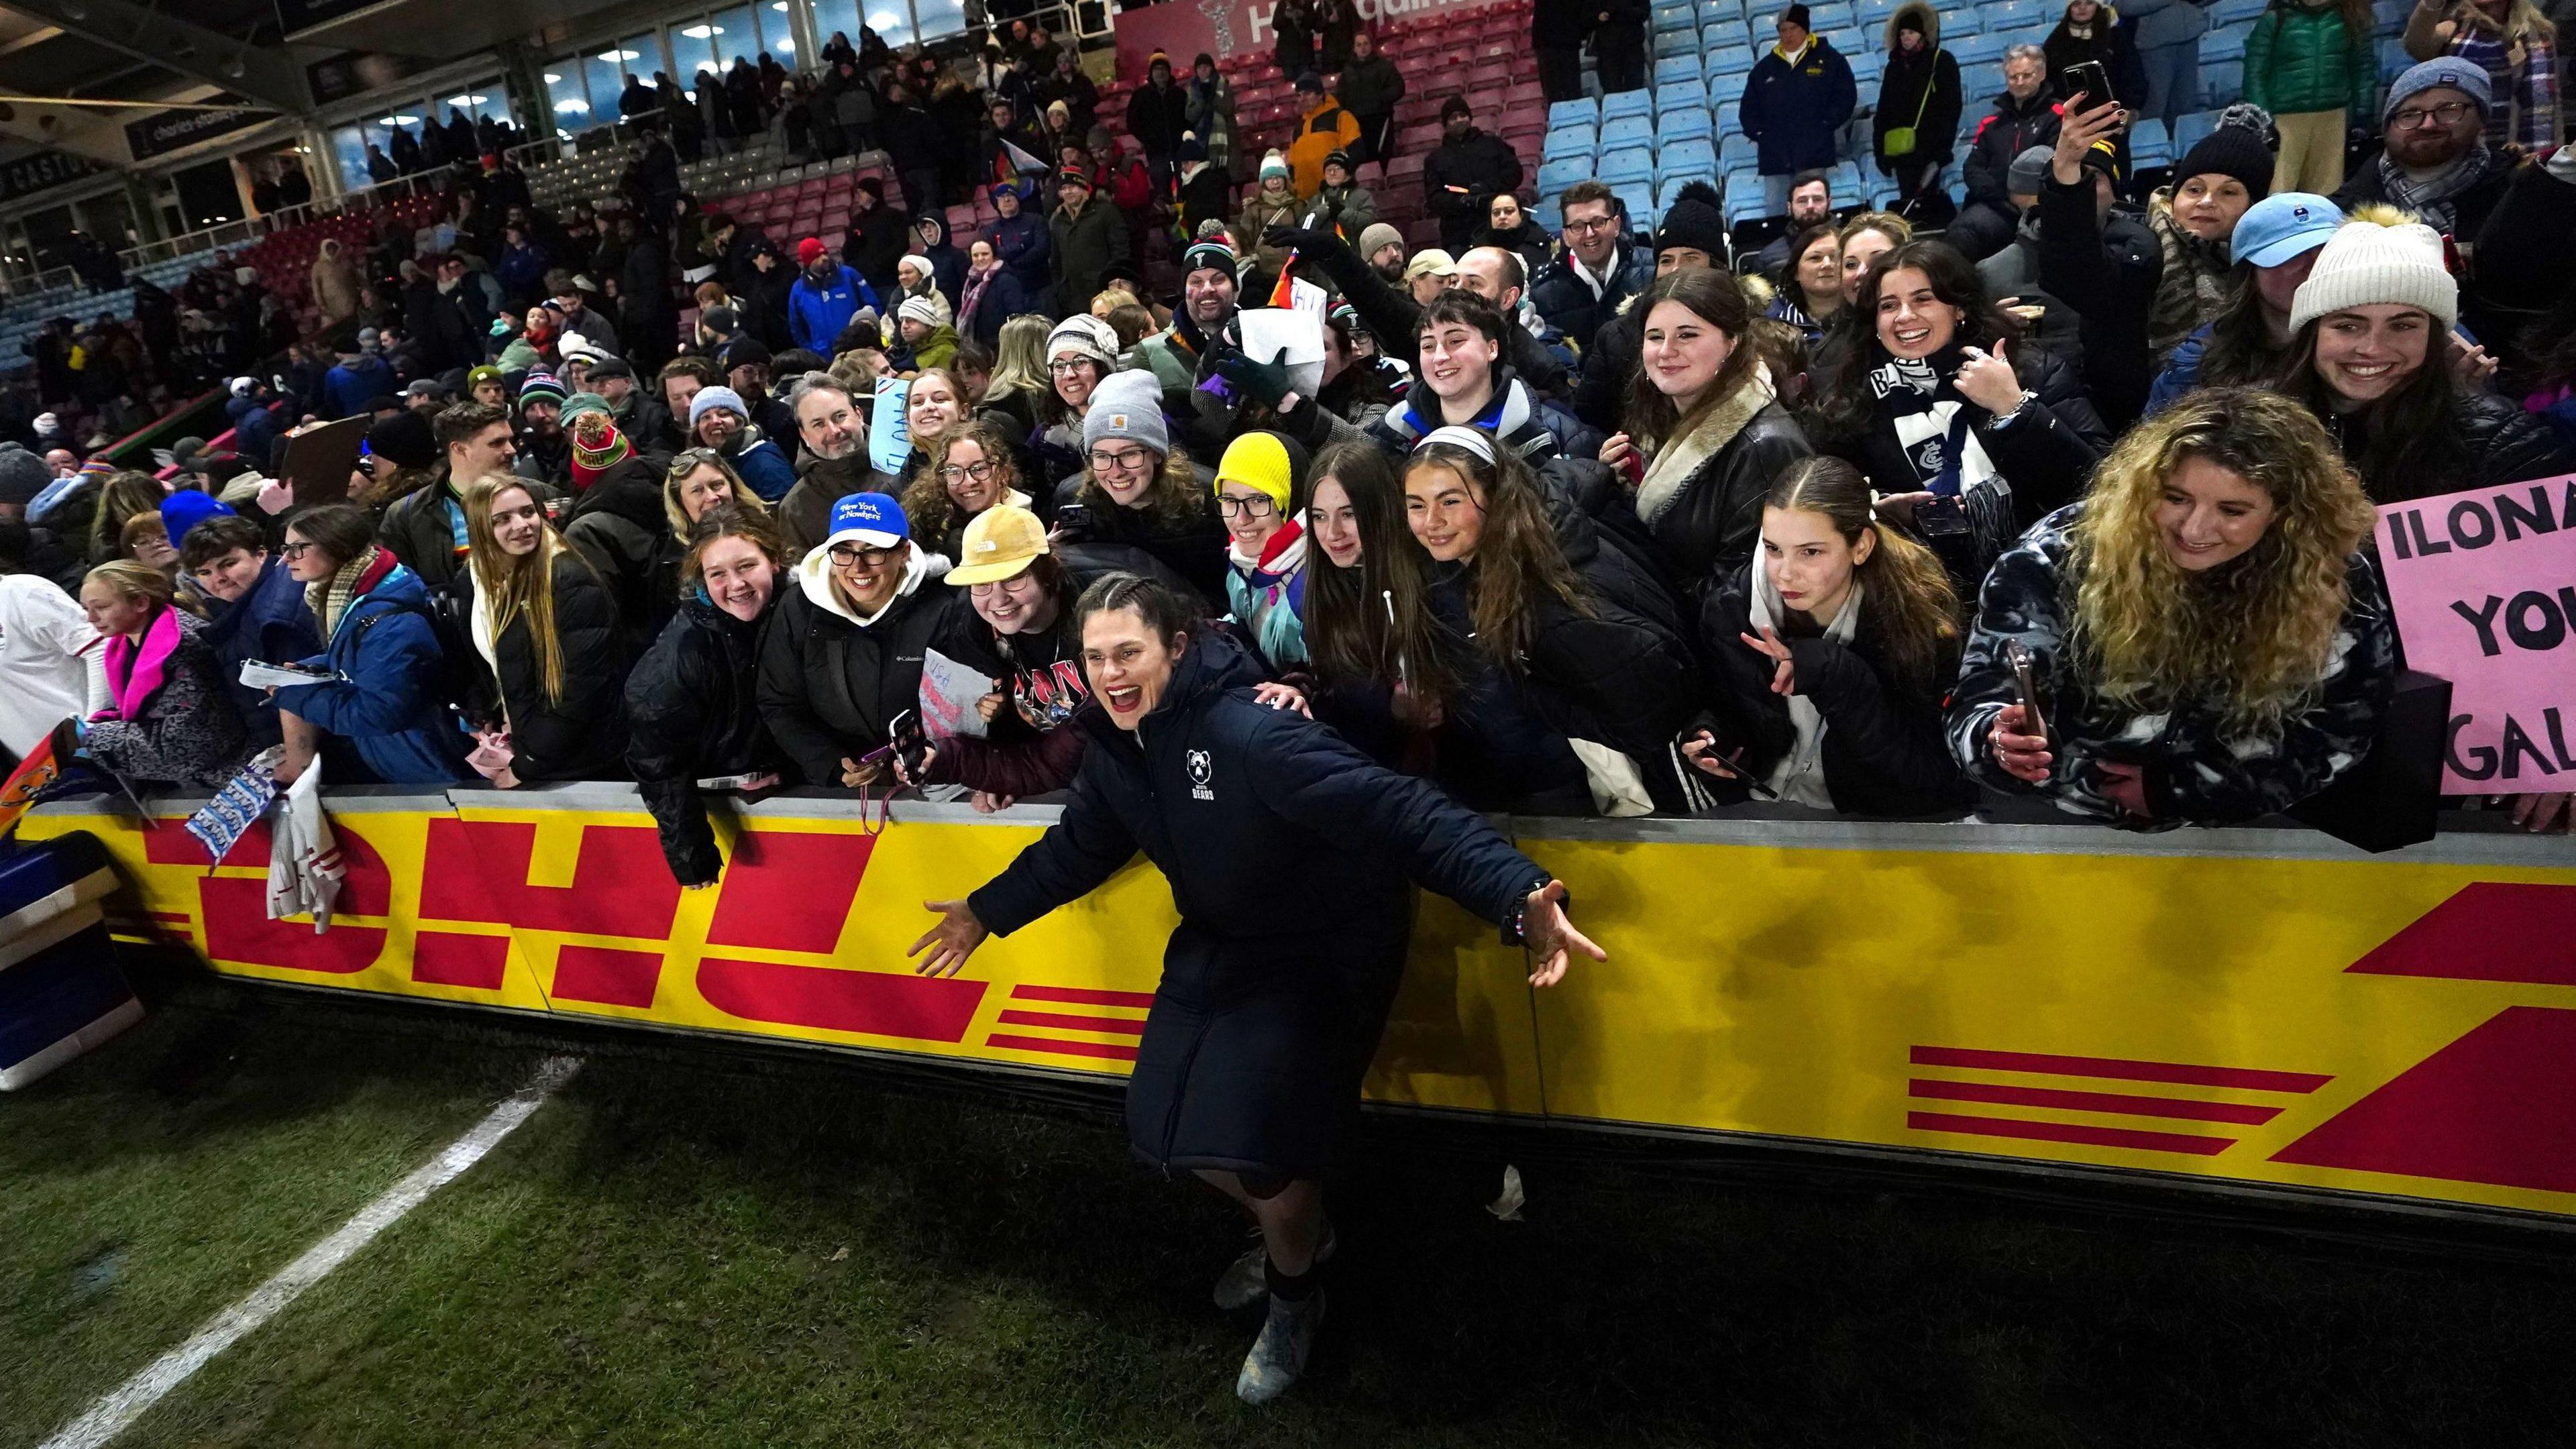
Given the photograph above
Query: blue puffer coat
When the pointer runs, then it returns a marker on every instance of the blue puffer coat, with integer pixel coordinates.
(1795, 112)
(1268, 1012)
(817, 311)
(386, 659)
(270, 624)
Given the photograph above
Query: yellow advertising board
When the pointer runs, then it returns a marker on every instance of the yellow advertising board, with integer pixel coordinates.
(2231, 1008)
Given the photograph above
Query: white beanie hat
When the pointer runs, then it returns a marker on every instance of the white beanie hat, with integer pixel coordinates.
(1084, 335)
(921, 310)
(2368, 263)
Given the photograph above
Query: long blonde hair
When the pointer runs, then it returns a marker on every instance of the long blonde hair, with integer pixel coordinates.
(1019, 359)
(2522, 21)
(514, 585)
(2252, 636)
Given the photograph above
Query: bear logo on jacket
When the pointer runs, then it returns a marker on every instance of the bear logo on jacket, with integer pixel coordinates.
(1200, 769)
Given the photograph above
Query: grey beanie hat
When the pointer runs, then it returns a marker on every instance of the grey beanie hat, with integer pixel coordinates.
(1127, 405)
(2028, 174)
(23, 475)
(2466, 77)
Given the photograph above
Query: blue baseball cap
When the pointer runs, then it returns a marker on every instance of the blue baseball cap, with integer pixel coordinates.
(874, 519)
(2284, 226)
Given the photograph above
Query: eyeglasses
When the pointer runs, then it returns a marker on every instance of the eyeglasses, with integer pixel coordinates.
(959, 472)
(851, 556)
(1122, 461)
(1248, 507)
(1068, 367)
(2448, 113)
(1590, 224)
(295, 548)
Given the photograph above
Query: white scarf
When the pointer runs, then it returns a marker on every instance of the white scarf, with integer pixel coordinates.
(1921, 415)
(1799, 778)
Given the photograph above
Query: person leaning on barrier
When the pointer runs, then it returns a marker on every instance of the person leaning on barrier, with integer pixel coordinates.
(1828, 655)
(547, 628)
(255, 610)
(1262, 1023)
(2208, 641)
(168, 718)
(378, 718)
(691, 700)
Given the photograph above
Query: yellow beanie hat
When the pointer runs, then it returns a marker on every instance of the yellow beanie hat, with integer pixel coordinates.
(1258, 460)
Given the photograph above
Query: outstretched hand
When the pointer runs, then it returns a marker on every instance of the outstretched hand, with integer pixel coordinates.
(1550, 937)
(951, 941)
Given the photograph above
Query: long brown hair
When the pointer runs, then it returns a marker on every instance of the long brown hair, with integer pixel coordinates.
(1174, 497)
(1713, 297)
(521, 585)
(1848, 404)
(753, 526)
(1369, 623)
(925, 500)
(2408, 438)
(124, 495)
(1906, 601)
(1519, 562)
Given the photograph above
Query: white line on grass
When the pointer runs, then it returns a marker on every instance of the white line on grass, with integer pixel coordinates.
(111, 1415)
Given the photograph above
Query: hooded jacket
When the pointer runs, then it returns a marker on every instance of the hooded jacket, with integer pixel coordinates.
(384, 660)
(832, 681)
(2195, 769)
(692, 713)
(1264, 1020)
(618, 524)
(1920, 91)
(947, 263)
(1883, 752)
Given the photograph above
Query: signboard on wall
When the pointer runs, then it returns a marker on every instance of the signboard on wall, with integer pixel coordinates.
(1184, 28)
(357, 73)
(168, 131)
(42, 172)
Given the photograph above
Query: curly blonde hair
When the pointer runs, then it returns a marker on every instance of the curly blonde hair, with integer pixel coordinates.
(2251, 637)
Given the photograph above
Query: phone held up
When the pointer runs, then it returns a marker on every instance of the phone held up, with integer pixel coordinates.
(2024, 680)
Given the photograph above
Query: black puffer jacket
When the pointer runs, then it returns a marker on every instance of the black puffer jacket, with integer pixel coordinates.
(1713, 519)
(1264, 1020)
(829, 686)
(1884, 751)
(1191, 547)
(2011, 128)
(618, 524)
(2108, 272)
(2492, 442)
(691, 715)
(580, 735)
(1567, 302)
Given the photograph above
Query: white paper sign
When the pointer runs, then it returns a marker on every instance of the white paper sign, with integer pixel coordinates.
(890, 430)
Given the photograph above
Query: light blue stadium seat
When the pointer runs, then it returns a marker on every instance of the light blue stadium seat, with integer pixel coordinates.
(1583, 112)
(2222, 82)
(2150, 145)
(1569, 142)
(1676, 43)
(1633, 164)
(1875, 12)
(1682, 160)
(1846, 180)
(2240, 12)
(2189, 130)
(1961, 20)
(1626, 103)
(1676, 17)
(1669, 190)
(1627, 131)
(1676, 70)
(1731, 34)
(1554, 176)
(2008, 17)
(1729, 113)
(1548, 217)
(1737, 150)
(1974, 51)
(1867, 68)
(2393, 58)
(1832, 16)
(1687, 123)
(2224, 44)
(1743, 203)
(1731, 61)
(1639, 199)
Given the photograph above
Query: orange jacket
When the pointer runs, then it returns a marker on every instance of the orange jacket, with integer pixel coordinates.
(1323, 130)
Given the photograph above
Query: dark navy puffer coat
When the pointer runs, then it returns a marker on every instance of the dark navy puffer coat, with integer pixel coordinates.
(1291, 858)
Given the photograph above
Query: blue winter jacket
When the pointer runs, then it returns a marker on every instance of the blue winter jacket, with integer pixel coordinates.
(1021, 244)
(1794, 113)
(763, 464)
(349, 387)
(385, 660)
(254, 429)
(816, 314)
(269, 624)
(2166, 22)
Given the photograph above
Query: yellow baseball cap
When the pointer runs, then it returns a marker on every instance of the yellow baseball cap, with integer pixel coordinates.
(1000, 542)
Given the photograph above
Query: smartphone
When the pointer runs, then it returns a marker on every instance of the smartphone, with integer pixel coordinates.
(1941, 517)
(2018, 657)
(1073, 520)
(2090, 77)
(910, 742)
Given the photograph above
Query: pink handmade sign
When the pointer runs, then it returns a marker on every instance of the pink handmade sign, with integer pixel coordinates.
(2485, 588)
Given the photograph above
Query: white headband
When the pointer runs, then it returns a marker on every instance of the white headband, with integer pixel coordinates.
(1474, 440)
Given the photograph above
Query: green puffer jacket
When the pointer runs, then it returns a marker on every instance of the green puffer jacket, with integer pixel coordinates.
(2302, 57)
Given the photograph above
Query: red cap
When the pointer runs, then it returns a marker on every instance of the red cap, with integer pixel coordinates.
(808, 251)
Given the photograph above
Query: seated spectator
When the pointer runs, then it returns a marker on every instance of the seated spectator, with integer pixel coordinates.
(1811, 203)
(2246, 344)
(50, 655)
(844, 655)
(1600, 268)
(692, 700)
(256, 610)
(1811, 294)
(169, 718)
(2023, 117)
(1023, 597)
(378, 719)
(1968, 433)
(1508, 228)
(1566, 700)
(2370, 354)
(2209, 641)
(1829, 655)
(1139, 494)
(1020, 239)
(835, 462)
(1706, 435)
(719, 419)
(547, 628)
(1916, 119)
(963, 472)
(1265, 583)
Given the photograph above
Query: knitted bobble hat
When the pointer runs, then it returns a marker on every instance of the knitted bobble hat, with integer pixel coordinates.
(2370, 263)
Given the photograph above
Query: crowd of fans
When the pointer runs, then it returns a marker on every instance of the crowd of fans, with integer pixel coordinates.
(1611, 521)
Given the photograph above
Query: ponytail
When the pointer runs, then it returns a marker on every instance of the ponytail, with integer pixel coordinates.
(1907, 603)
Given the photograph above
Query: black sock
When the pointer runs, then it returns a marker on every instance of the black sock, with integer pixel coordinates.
(1285, 1288)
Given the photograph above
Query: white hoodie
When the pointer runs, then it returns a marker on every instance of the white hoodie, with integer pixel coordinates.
(814, 576)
